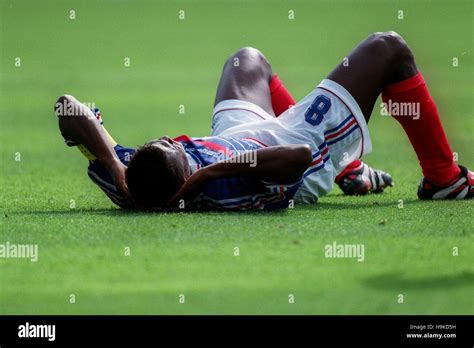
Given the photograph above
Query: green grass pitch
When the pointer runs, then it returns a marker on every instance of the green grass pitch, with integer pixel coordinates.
(173, 62)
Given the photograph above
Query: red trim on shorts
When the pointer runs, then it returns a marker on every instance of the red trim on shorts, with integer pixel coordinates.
(339, 132)
(257, 141)
(320, 157)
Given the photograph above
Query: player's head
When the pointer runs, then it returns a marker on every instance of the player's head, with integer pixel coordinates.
(156, 172)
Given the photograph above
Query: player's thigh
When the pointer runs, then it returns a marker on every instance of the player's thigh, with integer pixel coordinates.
(246, 76)
(372, 65)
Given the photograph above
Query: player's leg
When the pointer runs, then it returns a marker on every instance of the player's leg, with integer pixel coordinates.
(384, 63)
(246, 76)
(380, 60)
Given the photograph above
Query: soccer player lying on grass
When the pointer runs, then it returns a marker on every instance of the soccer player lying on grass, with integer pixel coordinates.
(271, 185)
(332, 120)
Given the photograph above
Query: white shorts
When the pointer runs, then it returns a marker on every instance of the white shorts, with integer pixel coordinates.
(328, 119)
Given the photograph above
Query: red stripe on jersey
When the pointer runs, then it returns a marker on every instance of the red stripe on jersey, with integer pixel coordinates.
(214, 146)
(208, 144)
(183, 138)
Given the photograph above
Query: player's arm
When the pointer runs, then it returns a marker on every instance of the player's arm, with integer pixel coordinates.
(78, 123)
(283, 164)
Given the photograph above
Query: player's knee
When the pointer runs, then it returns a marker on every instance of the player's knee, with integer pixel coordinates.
(396, 43)
(249, 53)
(63, 98)
(250, 60)
(391, 46)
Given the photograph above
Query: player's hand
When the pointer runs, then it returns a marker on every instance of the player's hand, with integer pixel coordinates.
(118, 174)
(192, 186)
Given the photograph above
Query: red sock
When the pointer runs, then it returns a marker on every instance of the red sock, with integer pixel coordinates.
(426, 133)
(281, 97)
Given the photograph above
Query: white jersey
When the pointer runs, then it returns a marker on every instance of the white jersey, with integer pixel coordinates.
(328, 119)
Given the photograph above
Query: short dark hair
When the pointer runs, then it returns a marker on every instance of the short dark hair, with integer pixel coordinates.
(152, 177)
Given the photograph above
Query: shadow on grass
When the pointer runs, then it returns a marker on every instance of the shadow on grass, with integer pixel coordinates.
(360, 204)
(136, 212)
(392, 281)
